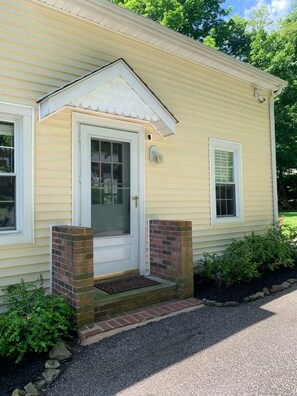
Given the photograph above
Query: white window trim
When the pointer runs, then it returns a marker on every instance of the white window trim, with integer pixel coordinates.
(23, 117)
(236, 149)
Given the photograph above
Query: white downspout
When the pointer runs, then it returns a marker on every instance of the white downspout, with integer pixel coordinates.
(273, 153)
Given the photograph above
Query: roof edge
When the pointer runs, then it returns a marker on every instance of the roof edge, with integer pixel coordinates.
(115, 18)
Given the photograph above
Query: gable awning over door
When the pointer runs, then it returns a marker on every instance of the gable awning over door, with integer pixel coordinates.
(112, 89)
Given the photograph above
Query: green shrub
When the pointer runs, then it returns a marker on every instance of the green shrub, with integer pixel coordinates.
(34, 321)
(248, 258)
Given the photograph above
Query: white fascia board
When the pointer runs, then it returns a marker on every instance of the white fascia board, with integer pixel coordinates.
(64, 96)
(124, 22)
(57, 100)
(150, 100)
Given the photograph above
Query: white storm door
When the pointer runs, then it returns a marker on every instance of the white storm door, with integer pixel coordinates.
(109, 196)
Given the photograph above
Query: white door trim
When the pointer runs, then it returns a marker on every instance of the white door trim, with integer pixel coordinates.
(77, 119)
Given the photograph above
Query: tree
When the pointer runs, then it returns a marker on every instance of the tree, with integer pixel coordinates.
(276, 53)
(231, 37)
(193, 18)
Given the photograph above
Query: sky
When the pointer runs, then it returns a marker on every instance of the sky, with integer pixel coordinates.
(278, 8)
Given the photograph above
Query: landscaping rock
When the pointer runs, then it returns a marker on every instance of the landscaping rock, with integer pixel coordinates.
(292, 281)
(40, 384)
(18, 392)
(266, 291)
(257, 296)
(231, 304)
(31, 389)
(246, 299)
(51, 374)
(60, 352)
(286, 285)
(210, 303)
(276, 288)
(52, 364)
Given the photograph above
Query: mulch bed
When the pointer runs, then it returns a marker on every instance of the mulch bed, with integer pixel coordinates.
(212, 291)
(30, 369)
(18, 375)
(125, 284)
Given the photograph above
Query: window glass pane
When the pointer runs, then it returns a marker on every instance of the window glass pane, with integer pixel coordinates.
(231, 207)
(7, 203)
(6, 147)
(6, 160)
(224, 166)
(105, 151)
(225, 200)
(6, 134)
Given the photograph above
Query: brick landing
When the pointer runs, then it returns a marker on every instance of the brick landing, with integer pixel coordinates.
(127, 320)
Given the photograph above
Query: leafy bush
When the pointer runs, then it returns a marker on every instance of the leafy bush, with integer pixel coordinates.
(249, 257)
(34, 321)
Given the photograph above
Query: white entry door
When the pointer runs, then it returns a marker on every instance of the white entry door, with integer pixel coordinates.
(109, 196)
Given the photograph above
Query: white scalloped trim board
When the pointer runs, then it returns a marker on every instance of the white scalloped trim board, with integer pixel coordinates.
(116, 97)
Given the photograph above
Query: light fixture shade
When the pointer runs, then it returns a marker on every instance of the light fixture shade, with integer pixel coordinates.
(259, 96)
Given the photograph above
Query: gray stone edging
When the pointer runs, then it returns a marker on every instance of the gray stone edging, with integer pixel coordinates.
(253, 297)
(57, 354)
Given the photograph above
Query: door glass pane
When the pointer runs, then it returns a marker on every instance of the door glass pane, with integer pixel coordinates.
(105, 151)
(110, 184)
(117, 174)
(106, 173)
(117, 152)
(95, 153)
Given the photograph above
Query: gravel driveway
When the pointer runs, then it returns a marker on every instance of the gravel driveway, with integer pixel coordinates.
(247, 350)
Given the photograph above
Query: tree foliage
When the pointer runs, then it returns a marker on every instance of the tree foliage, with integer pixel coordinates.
(258, 40)
(276, 52)
(193, 18)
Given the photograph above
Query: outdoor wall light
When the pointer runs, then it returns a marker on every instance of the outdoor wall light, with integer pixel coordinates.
(155, 155)
(258, 95)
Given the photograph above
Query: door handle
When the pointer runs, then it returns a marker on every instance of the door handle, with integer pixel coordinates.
(135, 199)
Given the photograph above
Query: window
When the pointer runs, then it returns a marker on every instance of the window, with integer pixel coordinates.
(7, 176)
(16, 174)
(226, 183)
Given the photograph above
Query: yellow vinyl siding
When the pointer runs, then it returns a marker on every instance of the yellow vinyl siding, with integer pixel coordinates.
(42, 49)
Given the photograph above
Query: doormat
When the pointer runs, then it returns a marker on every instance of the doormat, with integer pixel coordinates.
(125, 284)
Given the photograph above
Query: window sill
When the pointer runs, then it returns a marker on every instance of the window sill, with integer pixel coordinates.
(14, 237)
(227, 220)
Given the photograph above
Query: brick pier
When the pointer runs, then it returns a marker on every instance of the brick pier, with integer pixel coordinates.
(72, 269)
(171, 254)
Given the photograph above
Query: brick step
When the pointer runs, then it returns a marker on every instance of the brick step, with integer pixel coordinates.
(106, 305)
(125, 321)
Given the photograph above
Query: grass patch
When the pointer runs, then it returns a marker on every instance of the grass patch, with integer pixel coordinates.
(290, 218)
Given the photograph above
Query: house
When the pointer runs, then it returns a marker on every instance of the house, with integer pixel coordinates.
(109, 120)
